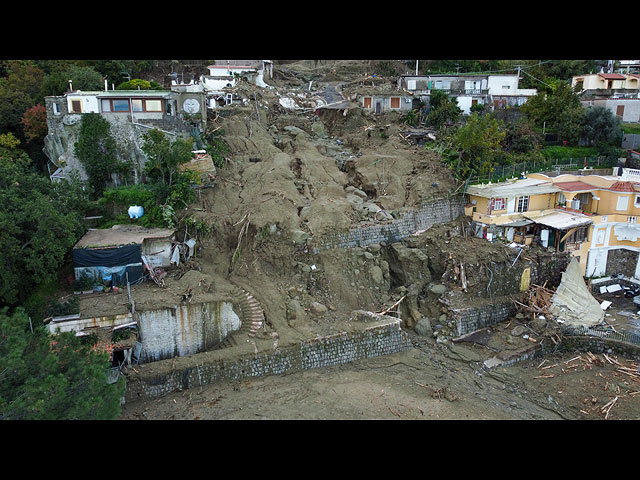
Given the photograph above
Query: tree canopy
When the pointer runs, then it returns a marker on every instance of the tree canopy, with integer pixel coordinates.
(46, 377)
(39, 223)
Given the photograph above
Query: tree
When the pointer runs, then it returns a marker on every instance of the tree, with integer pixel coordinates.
(559, 110)
(34, 123)
(97, 151)
(46, 377)
(442, 109)
(478, 142)
(82, 78)
(37, 227)
(19, 90)
(164, 156)
(137, 83)
(601, 127)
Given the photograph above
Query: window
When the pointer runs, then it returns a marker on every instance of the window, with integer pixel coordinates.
(136, 104)
(623, 202)
(411, 84)
(498, 204)
(637, 202)
(153, 105)
(56, 109)
(523, 204)
(395, 102)
(119, 105)
(367, 102)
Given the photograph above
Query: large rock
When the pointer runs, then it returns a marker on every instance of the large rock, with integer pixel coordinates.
(423, 327)
(318, 308)
(409, 265)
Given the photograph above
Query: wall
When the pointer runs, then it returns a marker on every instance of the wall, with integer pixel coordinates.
(475, 318)
(381, 338)
(429, 214)
(184, 329)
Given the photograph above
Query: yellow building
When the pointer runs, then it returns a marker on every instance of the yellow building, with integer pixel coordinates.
(592, 216)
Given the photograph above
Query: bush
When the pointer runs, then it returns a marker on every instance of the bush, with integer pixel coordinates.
(117, 201)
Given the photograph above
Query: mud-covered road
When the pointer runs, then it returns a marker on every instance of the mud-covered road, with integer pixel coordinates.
(429, 382)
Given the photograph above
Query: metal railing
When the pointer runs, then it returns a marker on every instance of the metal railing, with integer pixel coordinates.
(504, 172)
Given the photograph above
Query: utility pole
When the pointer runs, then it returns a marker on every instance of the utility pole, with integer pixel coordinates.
(416, 68)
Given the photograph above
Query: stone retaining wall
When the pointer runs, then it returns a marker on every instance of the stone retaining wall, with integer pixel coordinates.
(380, 339)
(429, 214)
(600, 345)
(471, 319)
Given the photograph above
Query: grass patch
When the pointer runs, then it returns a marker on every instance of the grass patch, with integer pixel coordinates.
(631, 128)
(555, 152)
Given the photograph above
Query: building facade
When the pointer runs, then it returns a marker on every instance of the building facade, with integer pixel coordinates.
(595, 217)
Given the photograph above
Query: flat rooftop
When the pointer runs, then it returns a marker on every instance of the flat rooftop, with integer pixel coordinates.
(121, 235)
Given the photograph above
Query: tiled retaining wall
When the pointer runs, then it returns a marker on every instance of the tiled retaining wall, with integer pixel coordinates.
(321, 352)
(471, 319)
(429, 214)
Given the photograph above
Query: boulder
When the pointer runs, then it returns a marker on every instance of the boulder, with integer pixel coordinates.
(423, 327)
(318, 308)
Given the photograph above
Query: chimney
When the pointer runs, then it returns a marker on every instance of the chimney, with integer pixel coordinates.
(70, 86)
(106, 87)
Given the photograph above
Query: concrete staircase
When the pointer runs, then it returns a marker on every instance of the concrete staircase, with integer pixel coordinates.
(251, 317)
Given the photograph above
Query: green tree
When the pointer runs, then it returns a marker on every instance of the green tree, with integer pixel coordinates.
(142, 84)
(47, 377)
(478, 143)
(164, 156)
(559, 110)
(82, 78)
(97, 151)
(37, 225)
(601, 127)
(443, 109)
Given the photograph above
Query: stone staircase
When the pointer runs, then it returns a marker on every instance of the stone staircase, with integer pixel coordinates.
(251, 317)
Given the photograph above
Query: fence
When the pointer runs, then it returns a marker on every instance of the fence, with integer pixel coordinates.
(503, 172)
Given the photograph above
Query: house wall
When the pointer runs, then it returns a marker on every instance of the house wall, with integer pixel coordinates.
(185, 329)
(631, 112)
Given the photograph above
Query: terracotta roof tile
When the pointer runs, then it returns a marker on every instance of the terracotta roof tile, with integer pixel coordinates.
(574, 186)
(622, 187)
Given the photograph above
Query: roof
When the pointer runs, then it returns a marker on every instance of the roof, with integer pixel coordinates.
(622, 187)
(561, 220)
(121, 235)
(121, 93)
(612, 76)
(575, 186)
(514, 188)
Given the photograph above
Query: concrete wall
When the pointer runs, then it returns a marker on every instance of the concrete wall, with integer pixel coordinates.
(382, 338)
(429, 214)
(185, 329)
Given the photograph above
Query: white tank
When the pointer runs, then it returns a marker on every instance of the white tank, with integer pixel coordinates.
(135, 211)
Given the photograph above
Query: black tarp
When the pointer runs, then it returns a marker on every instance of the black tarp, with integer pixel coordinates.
(107, 257)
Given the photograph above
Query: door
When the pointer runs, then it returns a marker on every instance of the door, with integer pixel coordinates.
(620, 111)
(378, 106)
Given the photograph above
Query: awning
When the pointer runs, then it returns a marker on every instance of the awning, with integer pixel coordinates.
(561, 220)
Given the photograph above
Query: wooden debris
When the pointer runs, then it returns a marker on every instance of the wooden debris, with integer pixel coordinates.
(607, 407)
